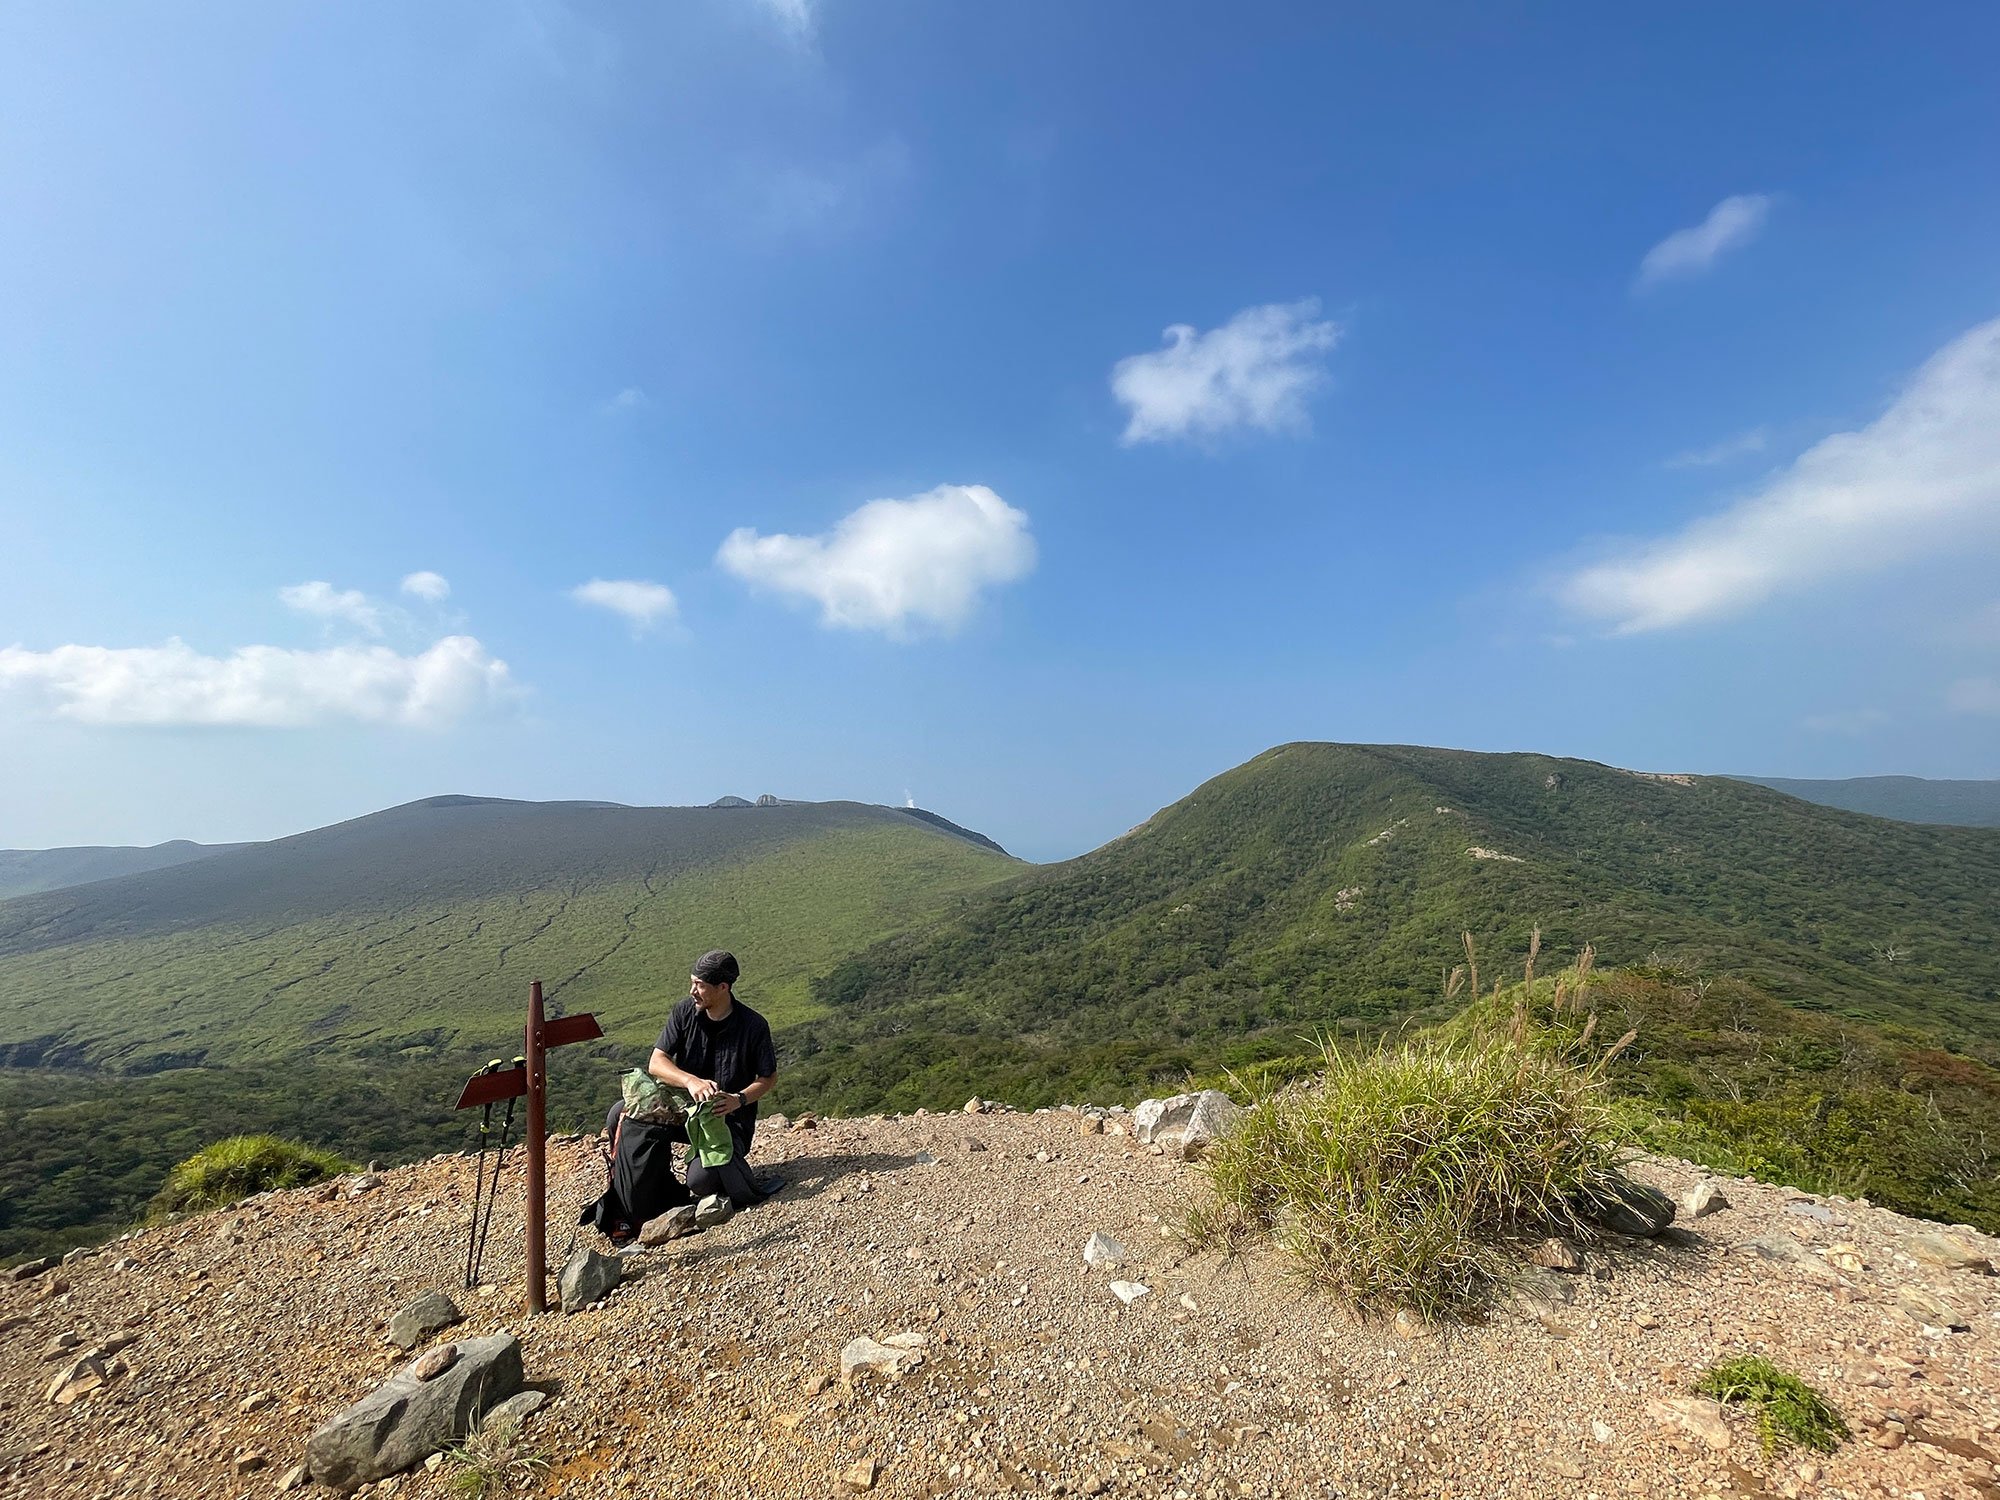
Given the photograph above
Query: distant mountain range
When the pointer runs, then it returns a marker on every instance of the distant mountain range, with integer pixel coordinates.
(1908, 799)
(23, 872)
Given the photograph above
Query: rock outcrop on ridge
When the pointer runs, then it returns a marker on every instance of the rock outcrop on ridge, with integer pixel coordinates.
(195, 1359)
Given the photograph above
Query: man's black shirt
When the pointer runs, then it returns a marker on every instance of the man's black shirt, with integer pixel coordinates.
(735, 1051)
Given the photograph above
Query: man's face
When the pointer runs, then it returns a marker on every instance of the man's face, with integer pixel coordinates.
(708, 996)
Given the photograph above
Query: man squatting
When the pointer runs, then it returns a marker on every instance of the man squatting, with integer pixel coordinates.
(719, 1050)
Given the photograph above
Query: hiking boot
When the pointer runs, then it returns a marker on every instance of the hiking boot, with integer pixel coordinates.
(770, 1186)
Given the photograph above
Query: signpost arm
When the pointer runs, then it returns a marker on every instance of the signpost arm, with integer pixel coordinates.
(537, 1144)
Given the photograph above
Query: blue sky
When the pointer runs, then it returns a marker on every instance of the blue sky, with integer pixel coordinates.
(1029, 409)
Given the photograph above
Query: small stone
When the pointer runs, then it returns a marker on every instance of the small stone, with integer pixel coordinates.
(806, 1121)
(1129, 1292)
(1563, 1468)
(775, 1121)
(674, 1224)
(516, 1409)
(1602, 1432)
(1846, 1257)
(434, 1362)
(974, 1107)
(974, 1143)
(1886, 1437)
(1187, 1301)
(60, 1345)
(1931, 1311)
(29, 1268)
(1102, 1250)
(124, 1263)
(1091, 1125)
(1630, 1208)
(587, 1277)
(294, 1478)
(888, 1358)
(861, 1474)
(367, 1182)
(713, 1211)
(255, 1401)
(1200, 1118)
(1696, 1415)
(430, 1313)
(1805, 1208)
(250, 1461)
(81, 1252)
(78, 1380)
(1557, 1255)
(814, 1384)
(1938, 1247)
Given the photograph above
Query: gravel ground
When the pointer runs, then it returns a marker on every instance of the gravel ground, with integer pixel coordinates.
(713, 1372)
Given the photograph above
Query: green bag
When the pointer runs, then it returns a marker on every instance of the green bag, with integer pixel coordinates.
(708, 1136)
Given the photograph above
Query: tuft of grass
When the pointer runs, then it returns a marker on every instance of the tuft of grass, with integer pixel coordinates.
(242, 1167)
(494, 1460)
(1788, 1410)
(1400, 1177)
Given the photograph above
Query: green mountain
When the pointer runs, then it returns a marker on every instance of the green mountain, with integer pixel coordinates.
(413, 932)
(1325, 886)
(26, 871)
(1909, 799)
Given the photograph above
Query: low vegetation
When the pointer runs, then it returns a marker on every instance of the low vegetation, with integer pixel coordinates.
(1789, 1412)
(1401, 1176)
(494, 1460)
(242, 1167)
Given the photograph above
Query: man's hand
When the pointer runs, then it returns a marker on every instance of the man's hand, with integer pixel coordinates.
(724, 1104)
(702, 1089)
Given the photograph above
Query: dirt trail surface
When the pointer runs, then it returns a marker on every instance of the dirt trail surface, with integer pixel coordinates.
(714, 1372)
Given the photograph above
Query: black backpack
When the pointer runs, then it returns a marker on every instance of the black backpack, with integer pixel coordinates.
(641, 1184)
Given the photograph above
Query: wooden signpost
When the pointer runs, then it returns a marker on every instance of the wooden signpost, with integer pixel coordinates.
(529, 1077)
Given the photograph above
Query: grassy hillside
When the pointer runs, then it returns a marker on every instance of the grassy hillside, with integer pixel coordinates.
(23, 872)
(414, 932)
(1911, 799)
(1319, 885)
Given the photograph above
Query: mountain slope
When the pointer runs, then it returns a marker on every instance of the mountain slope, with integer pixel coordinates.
(1909, 799)
(414, 931)
(1319, 885)
(23, 872)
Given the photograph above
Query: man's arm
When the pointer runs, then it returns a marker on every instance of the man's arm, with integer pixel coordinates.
(663, 1068)
(756, 1089)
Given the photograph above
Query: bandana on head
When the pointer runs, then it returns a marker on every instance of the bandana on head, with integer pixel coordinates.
(716, 967)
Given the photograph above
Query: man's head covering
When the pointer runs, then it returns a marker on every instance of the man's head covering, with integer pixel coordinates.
(716, 967)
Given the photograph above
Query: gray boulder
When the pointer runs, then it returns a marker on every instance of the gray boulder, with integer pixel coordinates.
(1192, 1119)
(671, 1225)
(516, 1409)
(1629, 1208)
(713, 1210)
(405, 1420)
(587, 1277)
(429, 1314)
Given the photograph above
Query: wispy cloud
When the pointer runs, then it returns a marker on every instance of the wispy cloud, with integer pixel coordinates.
(795, 17)
(324, 602)
(1974, 695)
(432, 588)
(1910, 483)
(631, 398)
(1743, 445)
(894, 563)
(1732, 223)
(1255, 371)
(643, 604)
(263, 687)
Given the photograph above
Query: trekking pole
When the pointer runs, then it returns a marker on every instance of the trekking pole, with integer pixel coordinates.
(479, 1178)
(493, 1191)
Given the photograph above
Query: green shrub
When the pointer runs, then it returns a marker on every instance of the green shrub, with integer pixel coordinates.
(241, 1167)
(1399, 1177)
(1788, 1410)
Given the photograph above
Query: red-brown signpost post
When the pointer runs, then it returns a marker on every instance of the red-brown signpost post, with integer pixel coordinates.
(529, 1076)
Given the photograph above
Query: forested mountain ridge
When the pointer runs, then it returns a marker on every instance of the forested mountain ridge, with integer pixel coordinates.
(1910, 799)
(1324, 885)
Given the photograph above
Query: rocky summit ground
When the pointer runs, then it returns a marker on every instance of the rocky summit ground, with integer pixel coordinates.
(714, 1372)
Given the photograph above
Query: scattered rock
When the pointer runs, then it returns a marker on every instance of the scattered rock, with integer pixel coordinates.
(1928, 1310)
(434, 1362)
(16, 1320)
(861, 1475)
(60, 1345)
(775, 1121)
(516, 1409)
(1543, 1289)
(587, 1277)
(674, 1224)
(1845, 1257)
(1805, 1208)
(1939, 1247)
(1199, 1118)
(974, 1143)
(404, 1419)
(255, 1401)
(429, 1314)
(77, 1380)
(1557, 1255)
(367, 1182)
(889, 1358)
(249, 1461)
(81, 1252)
(1629, 1208)
(974, 1107)
(295, 1477)
(712, 1211)
(1091, 1125)
(29, 1268)
(1696, 1415)
(124, 1263)
(1563, 1467)
(1129, 1292)
(1102, 1250)
(1704, 1198)
(806, 1121)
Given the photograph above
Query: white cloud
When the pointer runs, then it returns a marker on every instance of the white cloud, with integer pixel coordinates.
(324, 602)
(1725, 452)
(894, 562)
(1254, 371)
(432, 588)
(263, 687)
(1689, 252)
(642, 604)
(1912, 482)
(1974, 695)
(629, 399)
(795, 16)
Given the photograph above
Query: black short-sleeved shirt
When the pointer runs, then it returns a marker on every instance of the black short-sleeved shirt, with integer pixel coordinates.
(735, 1051)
